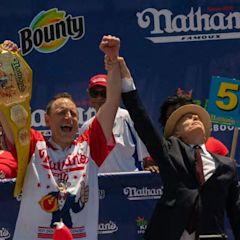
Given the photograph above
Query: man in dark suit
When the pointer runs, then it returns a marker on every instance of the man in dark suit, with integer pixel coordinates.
(191, 206)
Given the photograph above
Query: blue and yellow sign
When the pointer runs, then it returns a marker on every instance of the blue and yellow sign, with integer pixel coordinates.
(224, 97)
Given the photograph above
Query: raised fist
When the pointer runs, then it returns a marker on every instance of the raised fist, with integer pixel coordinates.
(9, 46)
(110, 46)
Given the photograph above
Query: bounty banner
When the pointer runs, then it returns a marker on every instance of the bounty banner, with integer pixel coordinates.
(167, 45)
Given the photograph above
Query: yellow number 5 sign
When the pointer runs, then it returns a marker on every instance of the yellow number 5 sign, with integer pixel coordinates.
(224, 97)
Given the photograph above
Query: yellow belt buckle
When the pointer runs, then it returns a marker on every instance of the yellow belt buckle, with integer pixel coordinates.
(15, 96)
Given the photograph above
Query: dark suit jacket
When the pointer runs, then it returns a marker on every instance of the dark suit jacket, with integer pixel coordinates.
(181, 189)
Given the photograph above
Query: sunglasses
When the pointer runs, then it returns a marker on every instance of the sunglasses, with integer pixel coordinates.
(96, 93)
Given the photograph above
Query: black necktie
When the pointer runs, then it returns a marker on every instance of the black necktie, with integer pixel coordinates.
(199, 165)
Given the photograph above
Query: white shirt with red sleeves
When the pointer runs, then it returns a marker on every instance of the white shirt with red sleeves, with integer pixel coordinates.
(129, 152)
(41, 203)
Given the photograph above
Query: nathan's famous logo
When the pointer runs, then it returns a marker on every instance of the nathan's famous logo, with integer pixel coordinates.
(107, 228)
(143, 193)
(73, 162)
(16, 66)
(193, 26)
(50, 30)
(141, 224)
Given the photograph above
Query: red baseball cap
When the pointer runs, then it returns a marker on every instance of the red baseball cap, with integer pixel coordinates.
(98, 80)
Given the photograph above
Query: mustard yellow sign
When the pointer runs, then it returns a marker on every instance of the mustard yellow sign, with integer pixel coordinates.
(15, 96)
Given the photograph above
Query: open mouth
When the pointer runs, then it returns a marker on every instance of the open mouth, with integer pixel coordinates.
(66, 128)
(197, 123)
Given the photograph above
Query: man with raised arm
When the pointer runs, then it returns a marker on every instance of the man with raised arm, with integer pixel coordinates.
(198, 185)
(129, 152)
(61, 181)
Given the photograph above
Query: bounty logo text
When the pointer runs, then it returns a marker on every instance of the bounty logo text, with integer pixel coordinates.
(50, 30)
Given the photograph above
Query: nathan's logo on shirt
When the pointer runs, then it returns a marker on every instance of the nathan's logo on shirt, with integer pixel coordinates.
(50, 30)
(194, 25)
(72, 162)
(141, 224)
(134, 193)
(107, 228)
(4, 234)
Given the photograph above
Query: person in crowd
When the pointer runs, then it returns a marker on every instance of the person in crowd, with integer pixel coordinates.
(181, 98)
(8, 164)
(68, 160)
(172, 103)
(198, 185)
(129, 151)
(214, 145)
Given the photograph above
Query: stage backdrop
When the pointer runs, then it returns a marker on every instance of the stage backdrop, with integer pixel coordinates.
(167, 44)
(126, 202)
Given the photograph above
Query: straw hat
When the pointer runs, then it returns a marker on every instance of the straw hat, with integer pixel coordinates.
(181, 111)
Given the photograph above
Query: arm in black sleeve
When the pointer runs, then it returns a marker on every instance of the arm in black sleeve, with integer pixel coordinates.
(144, 126)
(233, 206)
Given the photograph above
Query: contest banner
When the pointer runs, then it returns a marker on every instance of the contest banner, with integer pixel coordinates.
(224, 97)
(223, 105)
(126, 204)
(166, 44)
(15, 95)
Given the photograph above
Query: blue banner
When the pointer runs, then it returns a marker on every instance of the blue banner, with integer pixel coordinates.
(167, 45)
(126, 203)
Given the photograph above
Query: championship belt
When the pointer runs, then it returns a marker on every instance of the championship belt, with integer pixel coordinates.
(15, 96)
